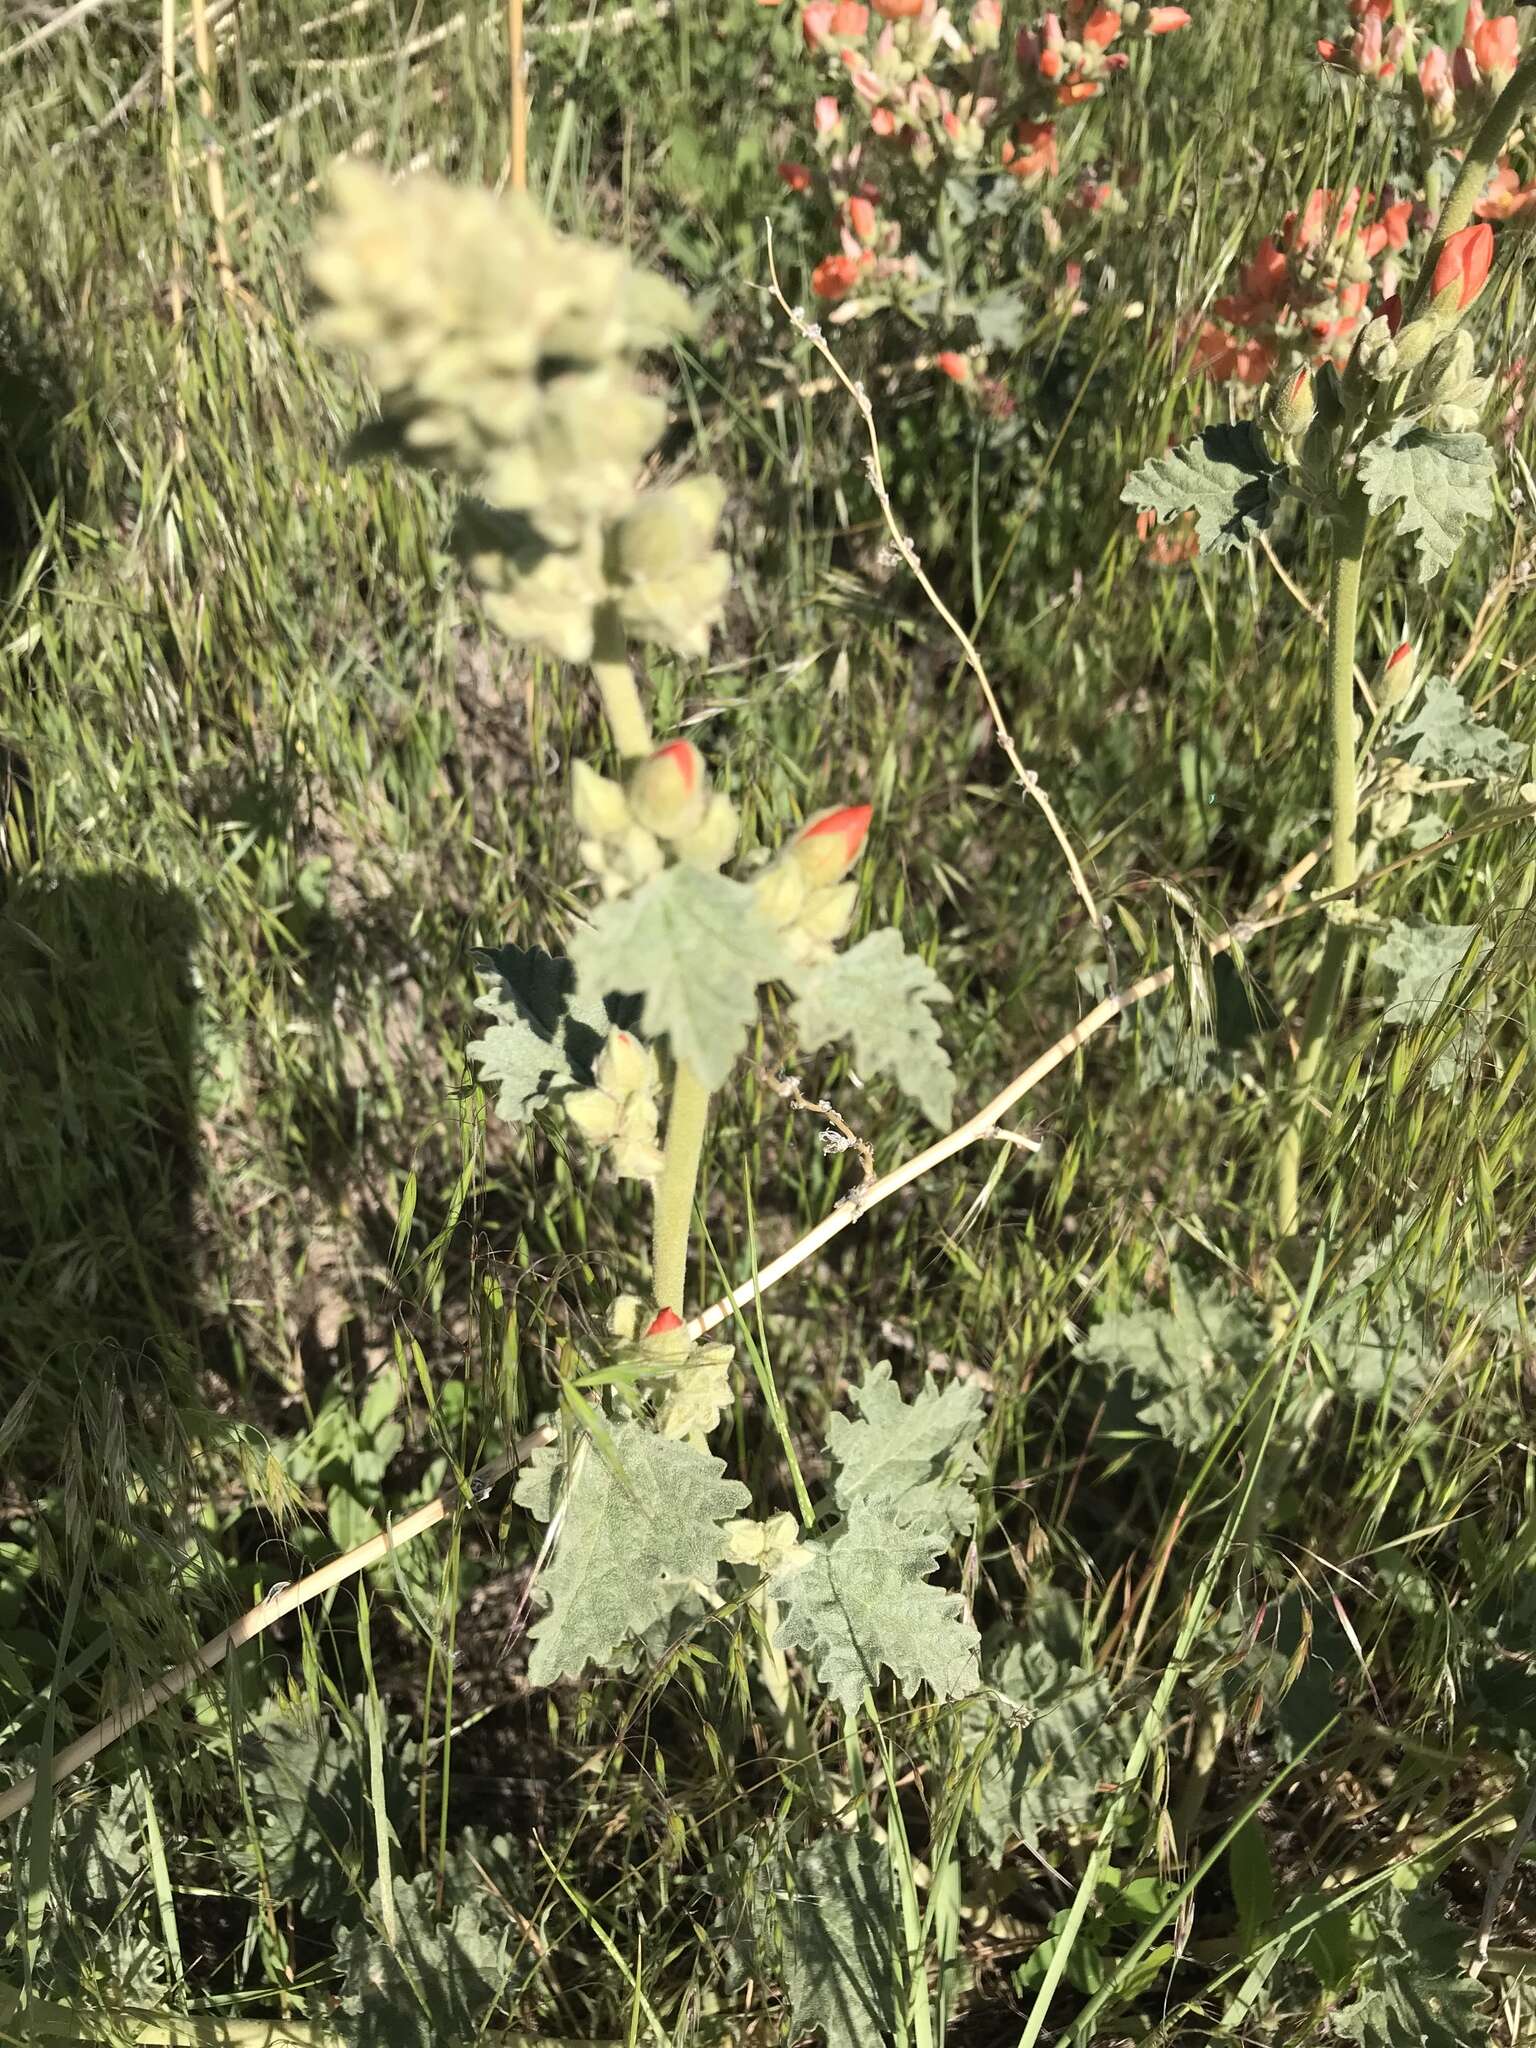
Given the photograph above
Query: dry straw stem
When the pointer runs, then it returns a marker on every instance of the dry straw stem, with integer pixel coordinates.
(213, 160)
(1027, 779)
(987, 1124)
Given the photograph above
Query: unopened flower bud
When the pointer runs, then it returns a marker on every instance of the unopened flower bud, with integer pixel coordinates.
(1448, 367)
(826, 848)
(595, 1114)
(1376, 351)
(713, 840)
(668, 791)
(624, 1316)
(780, 891)
(1415, 341)
(1462, 269)
(666, 1337)
(625, 1066)
(827, 913)
(600, 807)
(1290, 406)
(1398, 675)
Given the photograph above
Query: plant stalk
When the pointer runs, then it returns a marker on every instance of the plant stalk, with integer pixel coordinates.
(1343, 617)
(616, 686)
(675, 1190)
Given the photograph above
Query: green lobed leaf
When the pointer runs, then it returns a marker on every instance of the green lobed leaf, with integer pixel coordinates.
(307, 1794)
(1060, 1743)
(855, 1603)
(546, 1036)
(839, 1942)
(1413, 1990)
(693, 946)
(1224, 476)
(100, 1923)
(882, 998)
(1379, 1341)
(1421, 961)
(631, 1550)
(1447, 739)
(438, 1984)
(912, 1461)
(1441, 482)
(1187, 1362)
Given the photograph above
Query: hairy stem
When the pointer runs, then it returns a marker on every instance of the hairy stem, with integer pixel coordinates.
(1343, 615)
(616, 686)
(1478, 166)
(675, 1189)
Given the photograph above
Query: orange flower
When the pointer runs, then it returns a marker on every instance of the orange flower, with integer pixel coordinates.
(850, 19)
(815, 20)
(953, 365)
(1101, 28)
(898, 10)
(861, 219)
(1035, 155)
(1162, 21)
(826, 847)
(1463, 266)
(835, 276)
(1506, 198)
(1496, 46)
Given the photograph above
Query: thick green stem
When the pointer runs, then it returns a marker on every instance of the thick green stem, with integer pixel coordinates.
(616, 686)
(1343, 615)
(1478, 166)
(675, 1189)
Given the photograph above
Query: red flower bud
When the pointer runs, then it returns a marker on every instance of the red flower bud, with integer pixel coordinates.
(1162, 21)
(1463, 266)
(815, 22)
(953, 365)
(1392, 312)
(667, 793)
(1398, 673)
(1496, 46)
(851, 19)
(826, 848)
(666, 1321)
(897, 10)
(796, 176)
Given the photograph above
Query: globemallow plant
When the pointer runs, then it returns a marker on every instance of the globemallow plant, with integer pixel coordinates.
(505, 358)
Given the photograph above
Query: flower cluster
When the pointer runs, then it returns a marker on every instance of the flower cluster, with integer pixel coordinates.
(803, 894)
(504, 354)
(666, 806)
(909, 86)
(1304, 293)
(1449, 90)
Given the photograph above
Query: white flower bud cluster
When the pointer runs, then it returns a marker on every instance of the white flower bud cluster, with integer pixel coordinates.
(668, 806)
(504, 355)
(620, 1111)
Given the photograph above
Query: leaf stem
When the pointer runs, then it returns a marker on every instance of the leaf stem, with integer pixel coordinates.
(616, 686)
(1349, 534)
(675, 1189)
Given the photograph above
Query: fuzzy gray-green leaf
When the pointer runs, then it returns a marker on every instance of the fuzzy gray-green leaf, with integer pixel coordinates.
(1060, 1742)
(882, 998)
(839, 1934)
(1441, 483)
(694, 947)
(856, 1603)
(545, 1036)
(631, 1548)
(439, 1982)
(1187, 1361)
(1421, 961)
(1447, 740)
(1223, 476)
(912, 1461)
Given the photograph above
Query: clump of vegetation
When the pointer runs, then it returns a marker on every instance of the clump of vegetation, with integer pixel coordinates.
(580, 1474)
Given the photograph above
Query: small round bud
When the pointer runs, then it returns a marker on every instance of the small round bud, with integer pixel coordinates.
(600, 807)
(624, 1316)
(1461, 269)
(1448, 367)
(1415, 341)
(594, 1113)
(668, 791)
(780, 891)
(1398, 675)
(713, 840)
(625, 1066)
(1291, 405)
(1376, 351)
(827, 847)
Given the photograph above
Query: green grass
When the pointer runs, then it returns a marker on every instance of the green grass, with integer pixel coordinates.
(268, 783)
